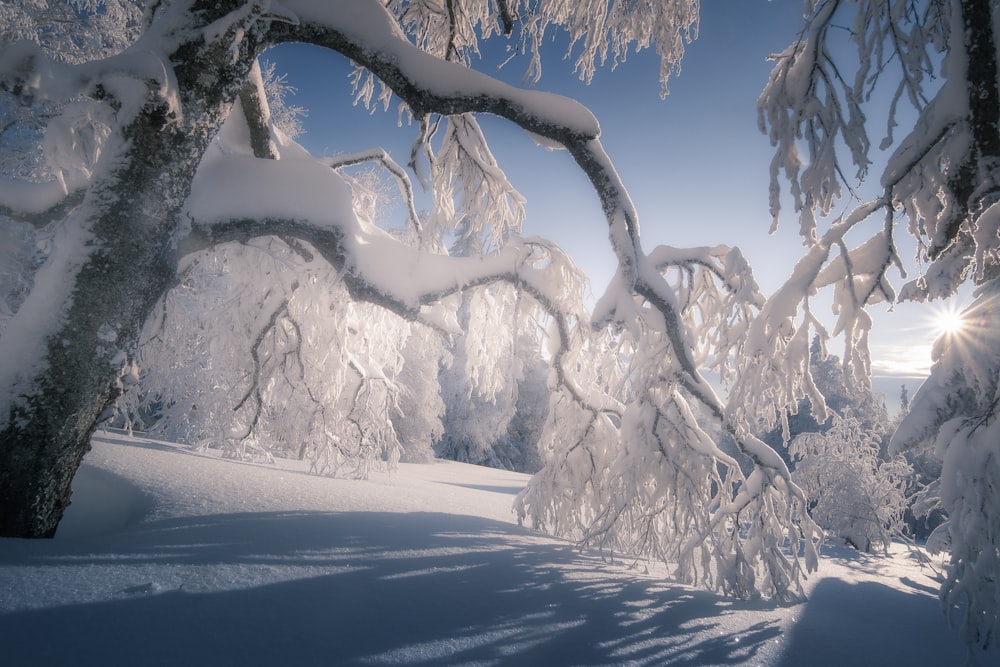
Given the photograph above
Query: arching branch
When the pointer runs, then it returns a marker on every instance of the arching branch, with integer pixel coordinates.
(371, 38)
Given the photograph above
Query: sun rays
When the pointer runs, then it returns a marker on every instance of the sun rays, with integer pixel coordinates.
(948, 320)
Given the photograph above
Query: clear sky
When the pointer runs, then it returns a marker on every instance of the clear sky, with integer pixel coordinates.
(695, 163)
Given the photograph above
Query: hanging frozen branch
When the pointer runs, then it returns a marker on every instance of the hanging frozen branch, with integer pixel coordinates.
(472, 197)
(415, 77)
(943, 170)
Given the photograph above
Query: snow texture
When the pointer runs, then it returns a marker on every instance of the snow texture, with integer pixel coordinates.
(170, 557)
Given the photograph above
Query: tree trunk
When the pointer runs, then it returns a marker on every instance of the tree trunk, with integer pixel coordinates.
(49, 430)
(133, 213)
(968, 178)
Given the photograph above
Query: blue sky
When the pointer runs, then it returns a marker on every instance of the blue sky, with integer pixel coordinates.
(695, 163)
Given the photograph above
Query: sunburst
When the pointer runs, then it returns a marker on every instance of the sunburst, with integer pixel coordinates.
(948, 321)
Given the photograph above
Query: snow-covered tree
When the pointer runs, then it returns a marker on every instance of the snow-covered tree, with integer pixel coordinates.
(180, 159)
(321, 381)
(486, 420)
(420, 405)
(930, 69)
(856, 495)
(954, 415)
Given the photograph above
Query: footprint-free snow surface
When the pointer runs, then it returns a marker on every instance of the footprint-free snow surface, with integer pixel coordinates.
(169, 557)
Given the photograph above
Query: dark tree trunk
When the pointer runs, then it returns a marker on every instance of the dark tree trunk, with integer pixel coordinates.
(133, 215)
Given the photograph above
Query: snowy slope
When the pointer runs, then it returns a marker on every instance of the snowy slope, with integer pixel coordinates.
(173, 558)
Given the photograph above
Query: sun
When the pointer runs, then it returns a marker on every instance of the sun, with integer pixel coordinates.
(948, 321)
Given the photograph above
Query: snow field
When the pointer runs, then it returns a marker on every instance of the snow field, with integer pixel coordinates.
(173, 557)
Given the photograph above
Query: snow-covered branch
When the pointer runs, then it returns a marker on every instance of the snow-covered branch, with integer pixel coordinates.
(380, 156)
(943, 172)
(369, 35)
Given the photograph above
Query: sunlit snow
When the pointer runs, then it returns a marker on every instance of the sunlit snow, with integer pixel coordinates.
(172, 557)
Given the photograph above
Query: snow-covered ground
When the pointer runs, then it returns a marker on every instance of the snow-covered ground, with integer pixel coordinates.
(169, 557)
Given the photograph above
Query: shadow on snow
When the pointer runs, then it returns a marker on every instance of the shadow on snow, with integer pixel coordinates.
(845, 622)
(364, 588)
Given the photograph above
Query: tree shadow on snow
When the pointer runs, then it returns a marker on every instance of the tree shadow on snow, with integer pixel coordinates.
(364, 588)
